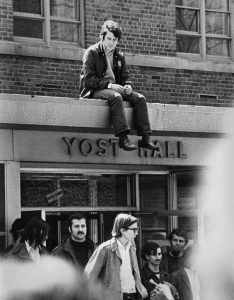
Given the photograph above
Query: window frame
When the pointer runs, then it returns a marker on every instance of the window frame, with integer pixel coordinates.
(46, 19)
(203, 35)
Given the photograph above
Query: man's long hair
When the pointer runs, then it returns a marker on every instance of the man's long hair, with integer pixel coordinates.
(112, 27)
(35, 231)
(122, 221)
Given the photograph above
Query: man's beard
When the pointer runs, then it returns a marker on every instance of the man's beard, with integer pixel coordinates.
(176, 252)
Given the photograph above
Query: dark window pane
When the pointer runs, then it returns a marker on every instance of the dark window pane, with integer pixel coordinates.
(156, 236)
(217, 4)
(187, 44)
(187, 191)
(64, 32)
(115, 190)
(2, 198)
(190, 225)
(28, 28)
(217, 23)
(27, 6)
(78, 190)
(190, 3)
(2, 245)
(153, 192)
(219, 47)
(150, 221)
(64, 9)
(187, 19)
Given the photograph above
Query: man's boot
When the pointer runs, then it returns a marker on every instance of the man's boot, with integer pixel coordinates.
(147, 143)
(125, 144)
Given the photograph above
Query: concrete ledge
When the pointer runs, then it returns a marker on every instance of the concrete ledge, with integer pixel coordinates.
(25, 110)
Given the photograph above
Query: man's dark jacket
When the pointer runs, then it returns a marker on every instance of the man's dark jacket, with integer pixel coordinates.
(181, 282)
(147, 275)
(66, 250)
(94, 70)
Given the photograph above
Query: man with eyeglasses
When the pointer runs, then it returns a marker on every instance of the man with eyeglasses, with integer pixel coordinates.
(114, 263)
(173, 259)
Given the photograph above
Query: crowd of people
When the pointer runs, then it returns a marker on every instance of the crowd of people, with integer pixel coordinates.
(79, 269)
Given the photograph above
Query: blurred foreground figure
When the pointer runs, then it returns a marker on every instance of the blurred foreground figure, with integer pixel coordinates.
(217, 261)
(51, 278)
(186, 279)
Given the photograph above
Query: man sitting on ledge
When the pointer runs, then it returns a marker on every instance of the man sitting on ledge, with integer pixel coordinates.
(104, 76)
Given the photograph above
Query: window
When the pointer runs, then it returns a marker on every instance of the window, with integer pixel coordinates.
(203, 27)
(49, 20)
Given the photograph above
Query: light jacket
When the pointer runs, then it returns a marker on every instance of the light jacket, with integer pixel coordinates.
(104, 266)
(20, 252)
(66, 250)
(94, 70)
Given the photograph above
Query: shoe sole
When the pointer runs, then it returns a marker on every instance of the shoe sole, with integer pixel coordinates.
(128, 149)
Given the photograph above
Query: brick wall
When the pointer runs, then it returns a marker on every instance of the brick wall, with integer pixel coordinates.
(39, 76)
(190, 87)
(6, 20)
(148, 28)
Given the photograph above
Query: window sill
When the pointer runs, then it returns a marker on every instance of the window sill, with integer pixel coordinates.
(72, 52)
(69, 52)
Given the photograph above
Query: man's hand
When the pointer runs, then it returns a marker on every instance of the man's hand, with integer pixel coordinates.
(128, 89)
(118, 88)
(144, 292)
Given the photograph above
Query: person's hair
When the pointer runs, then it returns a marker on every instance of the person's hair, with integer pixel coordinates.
(122, 221)
(76, 216)
(147, 249)
(36, 231)
(178, 232)
(17, 228)
(111, 26)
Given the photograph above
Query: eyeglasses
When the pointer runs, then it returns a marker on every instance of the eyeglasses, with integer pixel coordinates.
(133, 229)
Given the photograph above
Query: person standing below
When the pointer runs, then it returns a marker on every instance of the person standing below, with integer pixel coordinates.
(186, 279)
(155, 281)
(31, 246)
(77, 248)
(16, 231)
(173, 259)
(114, 262)
(104, 76)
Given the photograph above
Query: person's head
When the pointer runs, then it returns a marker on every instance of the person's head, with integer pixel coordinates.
(77, 227)
(152, 253)
(17, 229)
(178, 240)
(36, 231)
(125, 226)
(110, 34)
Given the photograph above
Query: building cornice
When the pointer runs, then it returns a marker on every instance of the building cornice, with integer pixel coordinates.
(53, 113)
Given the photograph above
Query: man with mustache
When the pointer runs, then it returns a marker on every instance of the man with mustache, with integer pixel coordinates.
(174, 258)
(152, 277)
(76, 248)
